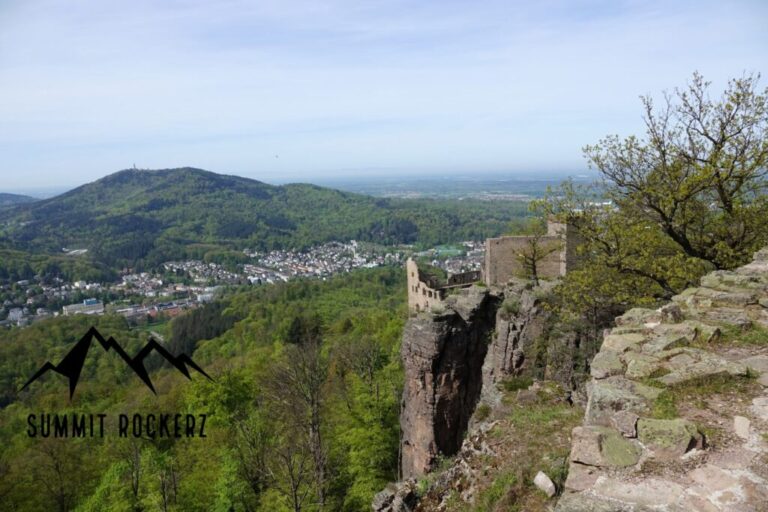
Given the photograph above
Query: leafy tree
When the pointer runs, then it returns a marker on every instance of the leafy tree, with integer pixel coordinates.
(688, 197)
(298, 387)
(536, 248)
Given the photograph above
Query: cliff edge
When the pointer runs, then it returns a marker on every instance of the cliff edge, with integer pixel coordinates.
(444, 353)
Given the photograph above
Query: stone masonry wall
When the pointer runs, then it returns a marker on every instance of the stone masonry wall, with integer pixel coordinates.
(502, 263)
(421, 296)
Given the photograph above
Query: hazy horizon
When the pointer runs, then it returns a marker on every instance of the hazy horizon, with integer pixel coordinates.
(293, 91)
(341, 181)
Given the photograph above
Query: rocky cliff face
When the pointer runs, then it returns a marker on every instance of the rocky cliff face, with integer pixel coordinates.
(457, 357)
(521, 322)
(677, 415)
(443, 355)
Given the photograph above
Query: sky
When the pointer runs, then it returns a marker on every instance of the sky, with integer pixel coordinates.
(304, 90)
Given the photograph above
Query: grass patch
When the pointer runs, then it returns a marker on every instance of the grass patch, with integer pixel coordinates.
(665, 406)
(535, 422)
(696, 391)
(754, 335)
(500, 495)
(535, 437)
(482, 412)
(516, 383)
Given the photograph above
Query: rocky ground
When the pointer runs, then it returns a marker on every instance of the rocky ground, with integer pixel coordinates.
(677, 414)
(526, 433)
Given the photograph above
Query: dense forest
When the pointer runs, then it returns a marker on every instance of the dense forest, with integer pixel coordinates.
(138, 219)
(302, 410)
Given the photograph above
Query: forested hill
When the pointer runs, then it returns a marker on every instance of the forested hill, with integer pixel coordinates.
(140, 216)
(11, 199)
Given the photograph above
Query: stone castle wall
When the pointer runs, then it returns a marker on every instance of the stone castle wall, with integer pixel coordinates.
(502, 260)
(502, 263)
(423, 292)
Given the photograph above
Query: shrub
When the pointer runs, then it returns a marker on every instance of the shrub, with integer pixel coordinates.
(510, 307)
(482, 412)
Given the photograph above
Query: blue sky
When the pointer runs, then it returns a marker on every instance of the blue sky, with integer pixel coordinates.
(295, 90)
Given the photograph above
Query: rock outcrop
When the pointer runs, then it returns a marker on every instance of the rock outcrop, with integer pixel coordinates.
(520, 322)
(637, 450)
(443, 354)
(461, 352)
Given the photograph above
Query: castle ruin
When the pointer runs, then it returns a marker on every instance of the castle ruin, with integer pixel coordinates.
(502, 263)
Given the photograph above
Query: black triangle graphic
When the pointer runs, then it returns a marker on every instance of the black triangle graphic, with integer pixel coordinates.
(72, 364)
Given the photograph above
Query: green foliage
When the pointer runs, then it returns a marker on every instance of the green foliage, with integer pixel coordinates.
(516, 383)
(482, 412)
(111, 494)
(689, 197)
(19, 265)
(501, 487)
(696, 391)
(253, 425)
(510, 307)
(206, 322)
(13, 199)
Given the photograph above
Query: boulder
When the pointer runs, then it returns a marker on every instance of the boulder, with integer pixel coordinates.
(736, 317)
(669, 439)
(726, 280)
(760, 407)
(758, 363)
(382, 501)
(622, 342)
(605, 364)
(581, 476)
(671, 313)
(693, 330)
(638, 316)
(545, 484)
(588, 503)
(603, 447)
(665, 342)
(704, 364)
(741, 427)
(626, 423)
(608, 396)
(640, 365)
(650, 494)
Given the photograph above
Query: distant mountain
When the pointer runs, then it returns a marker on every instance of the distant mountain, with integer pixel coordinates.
(11, 199)
(140, 216)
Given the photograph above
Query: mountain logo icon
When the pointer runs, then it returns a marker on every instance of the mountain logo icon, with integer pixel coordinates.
(72, 364)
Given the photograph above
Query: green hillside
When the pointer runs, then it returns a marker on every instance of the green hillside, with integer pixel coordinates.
(12, 199)
(145, 217)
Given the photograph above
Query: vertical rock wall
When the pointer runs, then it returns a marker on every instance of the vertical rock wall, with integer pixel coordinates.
(443, 357)
(520, 322)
